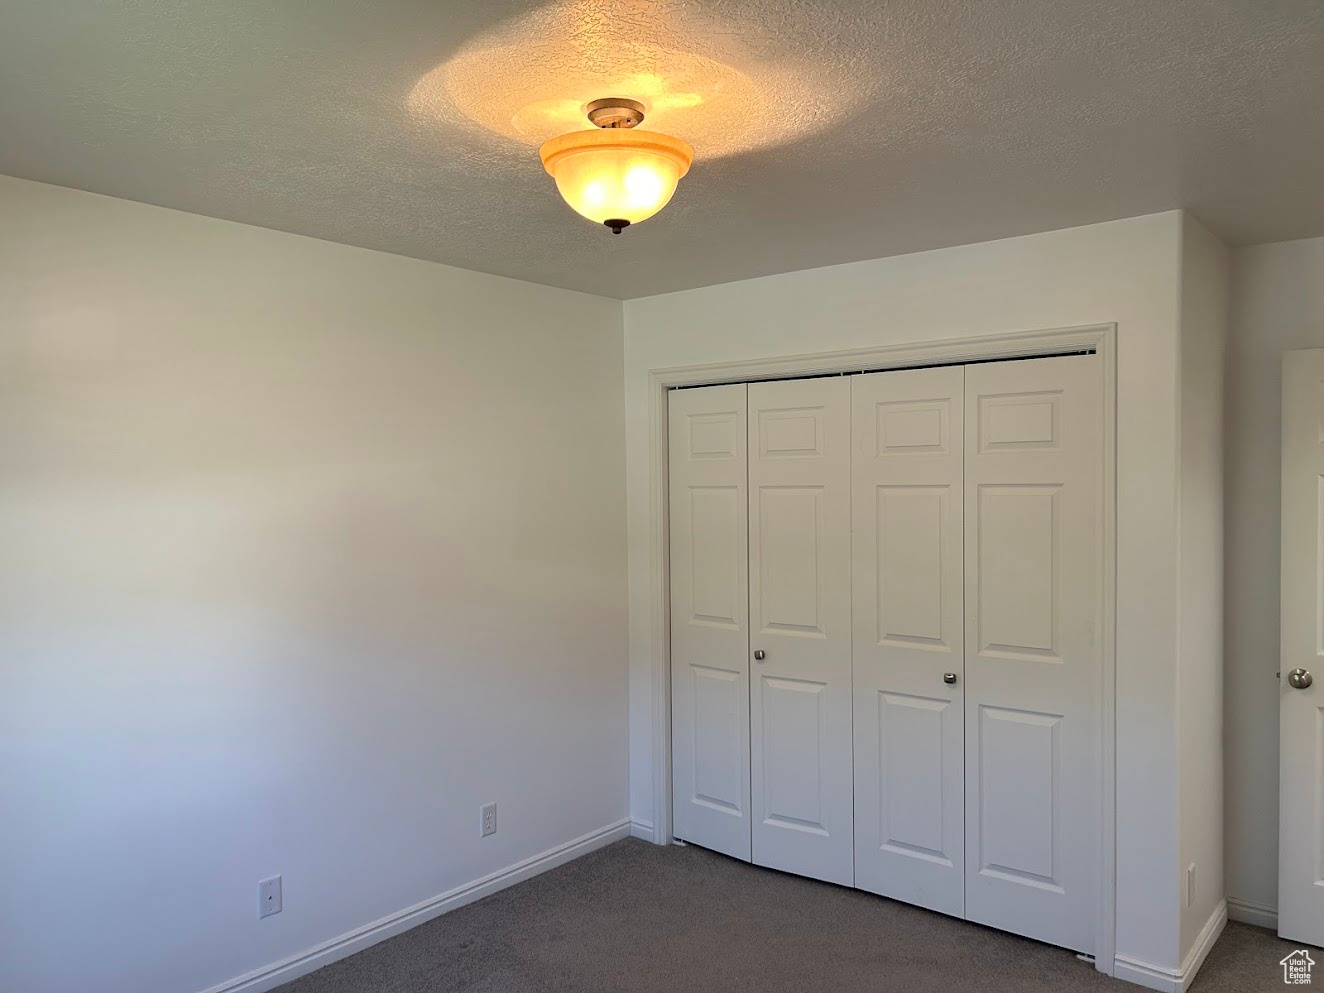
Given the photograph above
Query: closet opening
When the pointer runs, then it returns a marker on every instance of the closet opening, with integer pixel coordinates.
(884, 635)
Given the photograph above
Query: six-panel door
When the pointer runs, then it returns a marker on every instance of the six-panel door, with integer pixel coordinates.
(933, 734)
(800, 608)
(1301, 699)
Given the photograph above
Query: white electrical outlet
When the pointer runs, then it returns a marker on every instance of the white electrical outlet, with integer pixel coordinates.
(487, 819)
(1190, 884)
(268, 897)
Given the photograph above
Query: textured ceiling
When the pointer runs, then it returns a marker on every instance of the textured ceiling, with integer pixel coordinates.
(824, 132)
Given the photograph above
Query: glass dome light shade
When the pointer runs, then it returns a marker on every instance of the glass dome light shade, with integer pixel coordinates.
(616, 174)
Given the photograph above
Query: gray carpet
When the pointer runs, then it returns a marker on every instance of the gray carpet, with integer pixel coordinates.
(636, 918)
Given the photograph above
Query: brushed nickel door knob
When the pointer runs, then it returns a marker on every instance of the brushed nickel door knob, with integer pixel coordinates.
(1300, 678)
(760, 655)
(949, 678)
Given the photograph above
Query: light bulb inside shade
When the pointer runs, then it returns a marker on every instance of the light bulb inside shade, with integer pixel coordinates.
(616, 174)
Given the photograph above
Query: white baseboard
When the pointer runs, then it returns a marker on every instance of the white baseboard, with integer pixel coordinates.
(641, 829)
(1144, 974)
(1204, 943)
(1252, 913)
(1156, 977)
(270, 976)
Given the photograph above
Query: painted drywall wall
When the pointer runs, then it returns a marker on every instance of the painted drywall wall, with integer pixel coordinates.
(1277, 304)
(308, 551)
(1126, 272)
(1205, 276)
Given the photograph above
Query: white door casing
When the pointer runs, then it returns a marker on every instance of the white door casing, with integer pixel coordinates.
(1033, 568)
(1301, 646)
(908, 431)
(800, 618)
(710, 618)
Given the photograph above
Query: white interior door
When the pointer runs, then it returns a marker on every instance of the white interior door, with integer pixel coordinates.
(800, 610)
(1301, 701)
(709, 618)
(908, 428)
(1033, 456)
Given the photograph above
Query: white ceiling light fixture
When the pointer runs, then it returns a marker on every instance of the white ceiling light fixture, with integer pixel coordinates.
(615, 175)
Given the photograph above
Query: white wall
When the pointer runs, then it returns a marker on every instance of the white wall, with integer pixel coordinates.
(1278, 304)
(306, 552)
(1204, 305)
(268, 505)
(1126, 272)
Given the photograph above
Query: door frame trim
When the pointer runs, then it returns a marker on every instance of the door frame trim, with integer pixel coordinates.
(1100, 338)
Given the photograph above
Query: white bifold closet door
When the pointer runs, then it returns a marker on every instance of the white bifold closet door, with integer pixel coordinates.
(709, 618)
(1033, 539)
(800, 627)
(933, 733)
(908, 646)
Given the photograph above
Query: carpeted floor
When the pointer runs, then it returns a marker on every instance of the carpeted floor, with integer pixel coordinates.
(636, 918)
